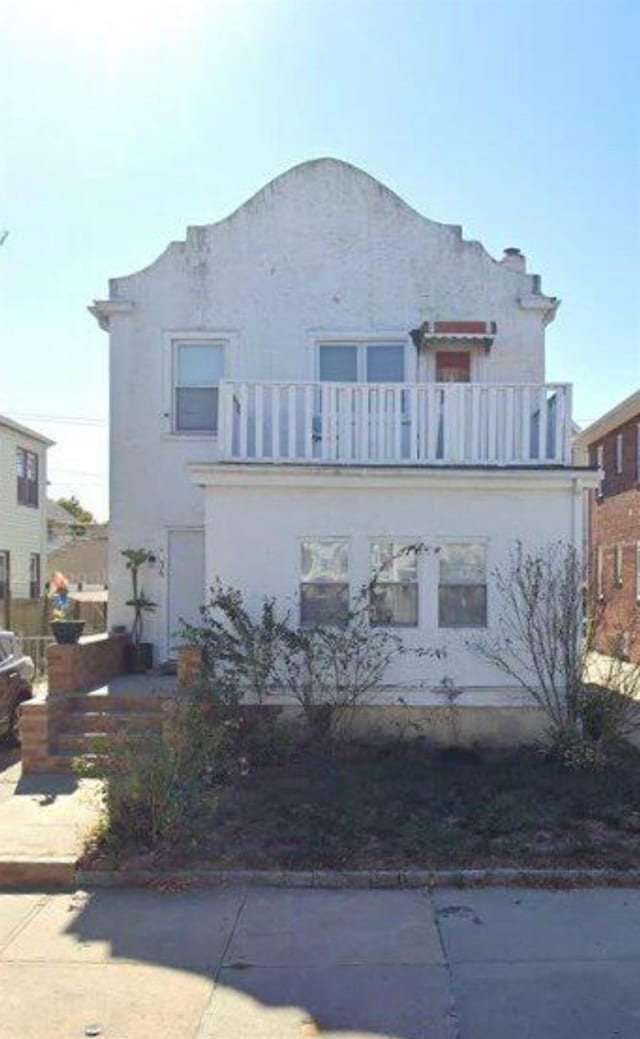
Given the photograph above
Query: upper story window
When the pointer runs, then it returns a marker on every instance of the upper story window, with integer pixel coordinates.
(619, 445)
(198, 368)
(27, 477)
(638, 452)
(362, 362)
(324, 585)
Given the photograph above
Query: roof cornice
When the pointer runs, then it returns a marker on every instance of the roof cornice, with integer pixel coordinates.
(625, 411)
(104, 309)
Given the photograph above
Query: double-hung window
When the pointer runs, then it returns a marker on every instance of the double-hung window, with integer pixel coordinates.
(27, 477)
(462, 587)
(618, 565)
(198, 368)
(324, 581)
(393, 592)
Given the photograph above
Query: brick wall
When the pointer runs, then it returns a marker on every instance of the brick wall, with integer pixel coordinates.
(85, 665)
(189, 666)
(614, 528)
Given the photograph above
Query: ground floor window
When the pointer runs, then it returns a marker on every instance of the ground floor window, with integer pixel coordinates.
(324, 584)
(5, 580)
(393, 594)
(34, 575)
(462, 586)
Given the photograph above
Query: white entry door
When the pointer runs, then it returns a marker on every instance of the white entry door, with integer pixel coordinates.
(185, 581)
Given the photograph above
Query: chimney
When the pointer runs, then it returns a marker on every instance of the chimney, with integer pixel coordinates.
(514, 260)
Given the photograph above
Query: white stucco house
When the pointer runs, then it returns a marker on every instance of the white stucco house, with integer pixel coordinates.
(316, 380)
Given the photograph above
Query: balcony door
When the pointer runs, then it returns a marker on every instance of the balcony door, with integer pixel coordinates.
(453, 366)
(380, 364)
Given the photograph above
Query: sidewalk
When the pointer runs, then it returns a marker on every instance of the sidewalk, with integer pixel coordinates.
(293, 964)
(44, 820)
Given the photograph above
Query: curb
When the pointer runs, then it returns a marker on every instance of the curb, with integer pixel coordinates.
(358, 879)
(23, 873)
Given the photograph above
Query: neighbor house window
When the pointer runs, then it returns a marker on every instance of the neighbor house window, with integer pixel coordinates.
(462, 588)
(599, 573)
(324, 583)
(618, 566)
(361, 362)
(393, 593)
(619, 452)
(27, 476)
(5, 578)
(34, 576)
(198, 369)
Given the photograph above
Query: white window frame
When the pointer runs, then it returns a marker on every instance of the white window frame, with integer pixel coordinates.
(619, 453)
(361, 340)
(322, 537)
(451, 542)
(397, 543)
(638, 571)
(618, 563)
(174, 338)
(599, 572)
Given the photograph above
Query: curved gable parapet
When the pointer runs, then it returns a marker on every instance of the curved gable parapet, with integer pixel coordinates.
(324, 193)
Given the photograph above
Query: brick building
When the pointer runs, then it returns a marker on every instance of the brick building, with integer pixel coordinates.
(613, 443)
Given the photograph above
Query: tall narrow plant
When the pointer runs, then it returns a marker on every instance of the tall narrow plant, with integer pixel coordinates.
(137, 558)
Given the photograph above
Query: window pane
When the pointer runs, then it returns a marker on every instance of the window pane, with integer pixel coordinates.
(394, 604)
(385, 364)
(393, 561)
(32, 466)
(200, 365)
(325, 560)
(338, 364)
(324, 603)
(462, 606)
(197, 410)
(462, 564)
(21, 464)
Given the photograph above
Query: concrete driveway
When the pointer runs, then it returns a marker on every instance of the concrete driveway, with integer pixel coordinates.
(288, 964)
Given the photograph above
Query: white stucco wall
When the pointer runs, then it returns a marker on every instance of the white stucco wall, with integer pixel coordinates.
(23, 528)
(323, 249)
(254, 531)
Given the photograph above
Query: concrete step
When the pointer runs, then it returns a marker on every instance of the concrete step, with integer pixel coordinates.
(84, 743)
(113, 703)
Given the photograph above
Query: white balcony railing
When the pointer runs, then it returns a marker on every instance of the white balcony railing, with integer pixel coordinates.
(395, 424)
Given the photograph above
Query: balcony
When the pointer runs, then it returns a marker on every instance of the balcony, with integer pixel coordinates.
(430, 424)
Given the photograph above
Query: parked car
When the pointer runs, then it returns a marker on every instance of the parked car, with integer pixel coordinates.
(16, 674)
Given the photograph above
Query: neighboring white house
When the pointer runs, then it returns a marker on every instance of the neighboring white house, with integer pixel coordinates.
(23, 520)
(316, 380)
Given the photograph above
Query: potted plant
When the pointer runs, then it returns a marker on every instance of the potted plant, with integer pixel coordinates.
(139, 654)
(64, 628)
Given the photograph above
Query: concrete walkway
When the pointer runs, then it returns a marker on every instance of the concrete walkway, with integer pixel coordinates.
(44, 820)
(289, 964)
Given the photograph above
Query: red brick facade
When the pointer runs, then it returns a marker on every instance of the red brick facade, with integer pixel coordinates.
(614, 532)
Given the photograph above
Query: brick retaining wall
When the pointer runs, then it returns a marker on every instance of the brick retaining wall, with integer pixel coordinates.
(85, 665)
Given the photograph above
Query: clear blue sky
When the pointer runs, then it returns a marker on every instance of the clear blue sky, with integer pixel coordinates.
(123, 122)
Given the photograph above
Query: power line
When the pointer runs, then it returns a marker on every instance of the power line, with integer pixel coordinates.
(70, 420)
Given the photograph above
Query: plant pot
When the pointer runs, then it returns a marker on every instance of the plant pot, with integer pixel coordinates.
(66, 633)
(139, 658)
